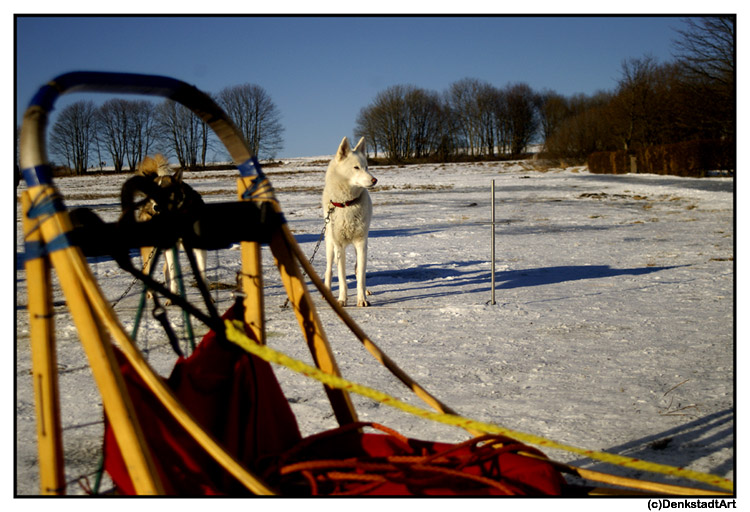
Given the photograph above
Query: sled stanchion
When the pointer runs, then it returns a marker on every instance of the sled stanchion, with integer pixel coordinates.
(54, 226)
(642, 485)
(253, 185)
(91, 312)
(309, 322)
(371, 347)
(252, 272)
(156, 385)
(104, 368)
(43, 359)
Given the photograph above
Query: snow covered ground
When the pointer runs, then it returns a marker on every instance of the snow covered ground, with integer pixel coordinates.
(612, 328)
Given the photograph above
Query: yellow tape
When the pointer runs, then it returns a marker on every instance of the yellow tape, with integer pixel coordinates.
(236, 335)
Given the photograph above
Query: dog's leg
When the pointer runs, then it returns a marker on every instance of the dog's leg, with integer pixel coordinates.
(329, 262)
(170, 273)
(367, 291)
(339, 254)
(335, 254)
(200, 260)
(147, 254)
(360, 246)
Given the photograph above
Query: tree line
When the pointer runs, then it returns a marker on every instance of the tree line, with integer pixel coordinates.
(120, 132)
(471, 118)
(690, 98)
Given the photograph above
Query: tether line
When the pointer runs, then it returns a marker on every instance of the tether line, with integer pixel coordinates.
(235, 334)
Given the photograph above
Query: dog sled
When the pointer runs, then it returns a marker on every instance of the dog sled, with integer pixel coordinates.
(220, 423)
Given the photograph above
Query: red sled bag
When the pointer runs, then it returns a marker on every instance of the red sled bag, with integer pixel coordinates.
(236, 398)
(233, 395)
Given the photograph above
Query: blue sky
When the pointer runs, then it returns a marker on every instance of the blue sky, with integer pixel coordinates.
(320, 71)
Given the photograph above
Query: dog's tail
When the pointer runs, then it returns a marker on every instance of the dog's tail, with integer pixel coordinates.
(156, 165)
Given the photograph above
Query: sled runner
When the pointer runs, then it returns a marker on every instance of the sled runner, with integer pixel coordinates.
(220, 423)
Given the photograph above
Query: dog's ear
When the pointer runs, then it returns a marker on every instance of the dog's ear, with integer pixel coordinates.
(146, 167)
(162, 164)
(177, 176)
(360, 147)
(344, 149)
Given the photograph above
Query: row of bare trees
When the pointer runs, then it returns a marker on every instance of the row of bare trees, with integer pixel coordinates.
(691, 98)
(121, 132)
(472, 117)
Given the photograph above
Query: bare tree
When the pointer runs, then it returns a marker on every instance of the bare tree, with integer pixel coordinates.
(553, 109)
(141, 131)
(635, 102)
(366, 127)
(522, 116)
(404, 120)
(706, 53)
(503, 126)
(126, 131)
(483, 115)
(184, 133)
(71, 135)
(462, 98)
(257, 117)
(424, 118)
(706, 49)
(671, 111)
(447, 136)
(471, 116)
(389, 115)
(112, 124)
(587, 129)
(384, 122)
(490, 104)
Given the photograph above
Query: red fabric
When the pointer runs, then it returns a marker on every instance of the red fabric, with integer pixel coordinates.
(516, 474)
(236, 397)
(232, 394)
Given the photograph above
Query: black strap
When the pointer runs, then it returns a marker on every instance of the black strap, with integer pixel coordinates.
(161, 315)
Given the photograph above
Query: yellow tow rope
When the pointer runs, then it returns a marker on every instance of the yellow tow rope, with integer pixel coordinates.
(235, 334)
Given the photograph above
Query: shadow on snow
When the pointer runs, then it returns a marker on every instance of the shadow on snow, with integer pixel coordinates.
(679, 446)
(459, 277)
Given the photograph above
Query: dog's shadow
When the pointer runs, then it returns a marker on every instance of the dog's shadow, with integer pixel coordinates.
(432, 280)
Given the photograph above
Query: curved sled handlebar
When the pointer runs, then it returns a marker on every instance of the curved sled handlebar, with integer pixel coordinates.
(33, 157)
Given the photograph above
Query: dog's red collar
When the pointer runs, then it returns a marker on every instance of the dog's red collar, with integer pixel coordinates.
(347, 203)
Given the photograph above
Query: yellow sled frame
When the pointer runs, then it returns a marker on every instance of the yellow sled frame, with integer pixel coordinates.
(47, 226)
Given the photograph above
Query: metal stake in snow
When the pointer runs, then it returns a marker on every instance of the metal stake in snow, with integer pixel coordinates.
(492, 273)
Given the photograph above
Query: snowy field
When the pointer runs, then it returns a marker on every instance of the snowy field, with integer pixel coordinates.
(612, 328)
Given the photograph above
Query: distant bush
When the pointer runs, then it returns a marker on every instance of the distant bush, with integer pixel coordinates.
(691, 158)
(60, 171)
(695, 158)
(609, 162)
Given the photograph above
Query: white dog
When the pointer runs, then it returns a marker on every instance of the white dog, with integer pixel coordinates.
(347, 208)
(157, 169)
